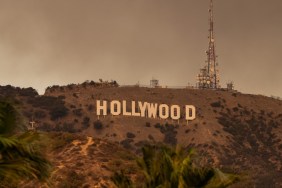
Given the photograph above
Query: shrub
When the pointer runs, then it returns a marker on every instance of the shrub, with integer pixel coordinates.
(27, 114)
(75, 95)
(45, 127)
(169, 132)
(216, 104)
(68, 127)
(54, 105)
(158, 125)
(28, 92)
(62, 97)
(86, 122)
(130, 135)
(39, 114)
(235, 109)
(98, 125)
(58, 112)
(90, 108)
(77, 112)
(127, 143)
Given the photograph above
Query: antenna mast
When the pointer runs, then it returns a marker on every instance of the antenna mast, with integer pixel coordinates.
(208, 77)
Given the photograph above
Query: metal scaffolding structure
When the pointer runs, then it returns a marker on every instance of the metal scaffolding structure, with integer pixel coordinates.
(154, 83)
(208, 77)
(230, 86)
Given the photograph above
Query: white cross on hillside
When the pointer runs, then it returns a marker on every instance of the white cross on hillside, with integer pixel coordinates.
(32, 125)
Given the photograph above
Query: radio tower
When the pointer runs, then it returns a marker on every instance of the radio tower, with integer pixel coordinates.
(208, 77)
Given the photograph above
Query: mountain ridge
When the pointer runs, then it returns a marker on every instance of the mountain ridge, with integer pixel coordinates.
(233, 131)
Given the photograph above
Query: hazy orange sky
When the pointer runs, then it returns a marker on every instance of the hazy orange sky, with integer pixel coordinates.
(50, 42)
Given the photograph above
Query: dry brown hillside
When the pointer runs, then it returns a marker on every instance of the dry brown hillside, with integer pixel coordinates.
(233, 131)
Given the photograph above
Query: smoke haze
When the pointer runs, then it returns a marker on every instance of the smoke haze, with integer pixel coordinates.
(45, 42)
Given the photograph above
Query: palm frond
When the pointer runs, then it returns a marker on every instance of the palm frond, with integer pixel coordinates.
(20, 158)
(8, 118)
(121, 180)
(165, 167)
(222, 180)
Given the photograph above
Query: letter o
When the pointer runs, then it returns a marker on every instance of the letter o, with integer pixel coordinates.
(117, 105)
(173, 109)
(163, 111)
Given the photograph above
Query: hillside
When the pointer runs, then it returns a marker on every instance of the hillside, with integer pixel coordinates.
(233, 131)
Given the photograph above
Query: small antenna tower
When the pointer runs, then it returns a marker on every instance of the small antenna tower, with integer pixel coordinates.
(154, 83)
(208, 76)
(230, 86)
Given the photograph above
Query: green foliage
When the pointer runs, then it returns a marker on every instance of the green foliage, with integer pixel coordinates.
(19, 157)
(10, 91)
(98, 125)
(55, 105)
(86, 122)
(216, 104)
(8, 116)
(58, 112)
(164, 167)
(121, 180)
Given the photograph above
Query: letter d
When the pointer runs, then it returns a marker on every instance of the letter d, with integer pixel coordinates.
(190, 112)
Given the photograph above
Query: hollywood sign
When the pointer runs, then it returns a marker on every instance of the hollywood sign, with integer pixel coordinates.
(144, 109)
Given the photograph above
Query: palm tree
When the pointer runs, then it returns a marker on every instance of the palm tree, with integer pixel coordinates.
(121, 180)
(19, 157)
(164, 167)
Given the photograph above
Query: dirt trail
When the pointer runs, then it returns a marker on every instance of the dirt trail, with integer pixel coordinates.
(84, 147)
(76, 142)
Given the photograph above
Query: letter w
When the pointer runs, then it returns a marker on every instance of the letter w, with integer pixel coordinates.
(152, 110)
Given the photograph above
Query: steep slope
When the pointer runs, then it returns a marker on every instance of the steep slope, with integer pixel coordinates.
(233, 130)
(80, 161)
